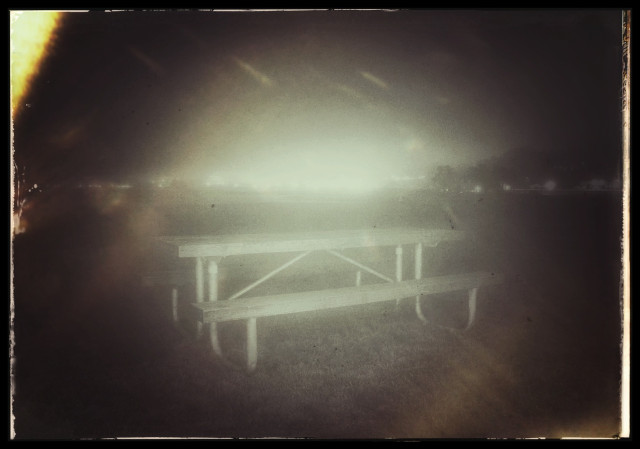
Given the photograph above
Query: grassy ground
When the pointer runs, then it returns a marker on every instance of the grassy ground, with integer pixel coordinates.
(98, 357)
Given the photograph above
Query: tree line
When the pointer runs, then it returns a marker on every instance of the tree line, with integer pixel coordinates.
(522, 169)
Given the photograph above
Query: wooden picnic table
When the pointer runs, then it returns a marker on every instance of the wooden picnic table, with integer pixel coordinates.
(208, 250)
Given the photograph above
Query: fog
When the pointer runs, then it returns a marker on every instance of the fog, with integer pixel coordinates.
(96, 346)
(140, 126)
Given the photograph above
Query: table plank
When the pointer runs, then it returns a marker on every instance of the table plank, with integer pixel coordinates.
(241, 244)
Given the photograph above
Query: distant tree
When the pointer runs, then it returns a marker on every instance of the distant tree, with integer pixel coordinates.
(446, 179)
(567, 167)
(488, 174)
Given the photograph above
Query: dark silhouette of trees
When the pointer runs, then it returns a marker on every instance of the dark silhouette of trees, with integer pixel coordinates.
(521, 168)
(447, 179)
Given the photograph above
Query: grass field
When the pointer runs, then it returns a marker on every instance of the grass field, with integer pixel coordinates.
(96, 354)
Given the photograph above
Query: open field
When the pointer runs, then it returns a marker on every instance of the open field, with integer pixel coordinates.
(98, 357)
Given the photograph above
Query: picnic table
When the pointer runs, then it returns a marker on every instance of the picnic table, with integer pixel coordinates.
(207, 251)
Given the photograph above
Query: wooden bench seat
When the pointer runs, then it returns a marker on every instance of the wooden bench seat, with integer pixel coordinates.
(254, 307)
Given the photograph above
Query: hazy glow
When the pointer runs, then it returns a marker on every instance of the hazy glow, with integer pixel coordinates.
(327, 167)
(30, 35)
(349, 91)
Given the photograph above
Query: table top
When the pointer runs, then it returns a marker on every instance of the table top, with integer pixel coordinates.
(240, 244)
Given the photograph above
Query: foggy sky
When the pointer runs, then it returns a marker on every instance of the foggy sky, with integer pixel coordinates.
(129, 94)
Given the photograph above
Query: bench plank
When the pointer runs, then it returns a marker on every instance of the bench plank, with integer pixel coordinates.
(245, 308)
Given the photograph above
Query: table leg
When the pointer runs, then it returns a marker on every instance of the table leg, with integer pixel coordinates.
(199, 288)
(252, 344)
(473, 295)
(418, 274)
(398, 268)
(212, 269)
(399, 263)
(174, 305)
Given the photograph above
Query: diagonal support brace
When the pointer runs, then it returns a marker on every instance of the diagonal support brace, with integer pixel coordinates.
(359, 265)
(268, 276)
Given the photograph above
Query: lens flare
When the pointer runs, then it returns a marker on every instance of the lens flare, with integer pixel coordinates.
(30, 37)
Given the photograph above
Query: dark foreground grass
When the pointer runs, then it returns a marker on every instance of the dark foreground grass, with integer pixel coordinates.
(98, 357)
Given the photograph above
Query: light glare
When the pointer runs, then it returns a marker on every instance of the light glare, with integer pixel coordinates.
(332, 167)
(30, 35)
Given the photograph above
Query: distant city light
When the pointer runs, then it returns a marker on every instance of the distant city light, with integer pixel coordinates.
(597, 184)
(550, 185)
(215, 180)
(161, 182)
(331, 167)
